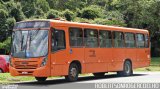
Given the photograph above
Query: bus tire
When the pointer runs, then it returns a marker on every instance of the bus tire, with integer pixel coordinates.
(127, 69)
(73, 73)
(41, 79)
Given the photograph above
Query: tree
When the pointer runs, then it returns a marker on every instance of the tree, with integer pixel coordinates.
(10, 24)
(3, 25)
(6, 45)
(28, 8)
(92, 12)
(17, 14)
(69, 15)
(52, 14)
(43, 5)
(39, 13)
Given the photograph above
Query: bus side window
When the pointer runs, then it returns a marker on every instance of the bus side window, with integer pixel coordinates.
(130, 40)
(140, 40)
(58, 40)
(147, 41)
(76, 37)
(118, 39)
(105, 39)
(91, 38)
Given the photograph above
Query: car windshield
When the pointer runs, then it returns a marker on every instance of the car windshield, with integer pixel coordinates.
(7, 58)
(29, 43)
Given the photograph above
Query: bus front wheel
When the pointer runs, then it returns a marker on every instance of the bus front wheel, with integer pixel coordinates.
(72, 73)
(127, 69)
(41, 79)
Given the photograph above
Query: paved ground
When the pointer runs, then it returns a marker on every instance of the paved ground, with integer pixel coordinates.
(89, 82)
(138, 77)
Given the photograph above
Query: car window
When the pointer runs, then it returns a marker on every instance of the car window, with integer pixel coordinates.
(6, 58)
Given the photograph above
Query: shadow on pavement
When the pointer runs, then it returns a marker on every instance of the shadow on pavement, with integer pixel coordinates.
(81, 79)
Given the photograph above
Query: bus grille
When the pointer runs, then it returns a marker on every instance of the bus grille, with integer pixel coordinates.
(27, 65)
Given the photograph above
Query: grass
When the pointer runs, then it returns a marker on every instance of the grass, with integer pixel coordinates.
(7, 78)
(154, 66)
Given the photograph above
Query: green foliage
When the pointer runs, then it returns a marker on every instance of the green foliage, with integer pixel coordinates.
(92, 12)
(3, 14)
(10, 24)
(17, 14)
(28, 8)
(81, 20)
(112, 22)
(43, 5)
(3, 25)
(131, 13)
(69, 15)
(6, 44)
(52, 14)
(38, 14)
(2, 6)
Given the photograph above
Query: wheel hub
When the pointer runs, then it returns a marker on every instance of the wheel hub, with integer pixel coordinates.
(127, 68)
(73, 72)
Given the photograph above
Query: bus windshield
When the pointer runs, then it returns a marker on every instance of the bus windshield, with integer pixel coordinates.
(29, 43)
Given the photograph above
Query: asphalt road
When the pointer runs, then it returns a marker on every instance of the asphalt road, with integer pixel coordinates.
(88, 82)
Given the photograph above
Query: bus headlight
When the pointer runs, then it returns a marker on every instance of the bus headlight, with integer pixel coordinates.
(44, 62)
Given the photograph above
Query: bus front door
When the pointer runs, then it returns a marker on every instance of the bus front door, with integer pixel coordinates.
(60, 53)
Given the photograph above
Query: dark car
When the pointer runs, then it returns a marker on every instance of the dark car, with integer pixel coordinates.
(4, 63)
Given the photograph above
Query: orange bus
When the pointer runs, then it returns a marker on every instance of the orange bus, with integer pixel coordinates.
(43, 48)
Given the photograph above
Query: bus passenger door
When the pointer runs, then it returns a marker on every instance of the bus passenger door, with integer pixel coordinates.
(76, 46)
(118, 51)
(142, 52)
(60, 53)
(91, 47)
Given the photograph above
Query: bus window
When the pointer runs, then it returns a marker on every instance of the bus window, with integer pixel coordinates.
(105, 38)
(58, 40)
(140, 41)
(129, 40)
(76, 37)
(91, 38)
(118, 39)
(146, 41)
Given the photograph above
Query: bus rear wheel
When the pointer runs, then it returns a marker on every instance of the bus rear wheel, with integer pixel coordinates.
(99, 74)
(72, 73)
(41, 79)
(127, 69)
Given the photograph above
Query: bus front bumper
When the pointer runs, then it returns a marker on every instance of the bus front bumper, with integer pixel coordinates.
(39, 72)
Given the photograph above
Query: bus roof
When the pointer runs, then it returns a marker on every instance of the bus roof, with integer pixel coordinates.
(87, 24)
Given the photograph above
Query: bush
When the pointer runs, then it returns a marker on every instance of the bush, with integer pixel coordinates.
(114, 15)
(82, 20)
(109, 22)
(78, 12)
(52, 14)
(6, 44)
(10, 22)
(39, 13)
(92, 12)
(2, 6)
(17, 14)
(43, 5)
(69, 15)
(3, 14)
(10, 5)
